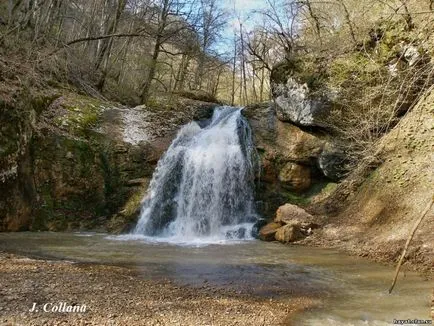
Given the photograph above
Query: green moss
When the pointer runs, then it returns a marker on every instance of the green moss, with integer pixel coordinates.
(329, 188)
(83, 114)
(373, 174)
(303, 69)
(46, 216)
(355, 68)
(128, 214)
(322, 189)
(114, 193)
(299, 200)
(133, 204)
(41, 102)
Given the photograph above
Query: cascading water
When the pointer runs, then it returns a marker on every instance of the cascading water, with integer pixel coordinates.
(202, 188)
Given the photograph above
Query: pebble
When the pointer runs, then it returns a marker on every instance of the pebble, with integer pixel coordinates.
(117, 296)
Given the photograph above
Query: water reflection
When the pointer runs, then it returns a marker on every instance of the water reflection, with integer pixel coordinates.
(354, 290)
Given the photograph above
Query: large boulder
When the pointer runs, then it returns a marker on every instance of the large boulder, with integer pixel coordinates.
(283, 140)
(296, 223)
(296, 103)
(289, 233)
(333, 162)
(290, 214)
(295, 176)
(267, 232)
(288, 157)
(299, 93)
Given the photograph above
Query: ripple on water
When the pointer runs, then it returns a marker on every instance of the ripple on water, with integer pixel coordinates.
(353, 290)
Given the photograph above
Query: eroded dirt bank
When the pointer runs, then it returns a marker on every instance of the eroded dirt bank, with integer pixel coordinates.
(120, 296)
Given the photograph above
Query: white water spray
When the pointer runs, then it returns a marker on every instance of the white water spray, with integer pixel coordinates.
(202, 188)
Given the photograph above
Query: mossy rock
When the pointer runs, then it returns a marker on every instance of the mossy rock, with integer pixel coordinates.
(305, 70)
(124, 220)
(78, 115)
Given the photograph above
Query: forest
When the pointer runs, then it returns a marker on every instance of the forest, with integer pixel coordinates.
(128, 50)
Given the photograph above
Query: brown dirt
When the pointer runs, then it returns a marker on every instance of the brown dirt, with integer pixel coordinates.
(120, 296)
(371, 214)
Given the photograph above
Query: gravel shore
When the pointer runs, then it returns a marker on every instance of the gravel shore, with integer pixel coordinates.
(115, 295)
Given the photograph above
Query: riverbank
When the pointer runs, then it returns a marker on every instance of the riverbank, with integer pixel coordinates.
(385, 253)
(121, 296)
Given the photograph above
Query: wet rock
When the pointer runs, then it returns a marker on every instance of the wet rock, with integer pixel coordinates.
(236, 234)
(268, 232)
(289, 233)
(257, 226)
(251, 219)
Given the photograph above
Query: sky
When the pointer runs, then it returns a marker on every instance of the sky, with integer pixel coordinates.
(243, 6)
(244, 10)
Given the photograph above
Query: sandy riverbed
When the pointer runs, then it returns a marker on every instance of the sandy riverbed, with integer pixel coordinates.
(120, 296)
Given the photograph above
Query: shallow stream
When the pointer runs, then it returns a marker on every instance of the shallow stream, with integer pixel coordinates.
(350, 290)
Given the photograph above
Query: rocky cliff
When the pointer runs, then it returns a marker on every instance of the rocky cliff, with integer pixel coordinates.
(290, 159)
(374, 209)
(373, 203)
(70, 161)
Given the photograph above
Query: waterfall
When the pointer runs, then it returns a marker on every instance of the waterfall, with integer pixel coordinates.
(202, 187)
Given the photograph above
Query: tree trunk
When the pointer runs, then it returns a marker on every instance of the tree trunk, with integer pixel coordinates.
(152, 69)
(182, 72)
(120, 74)
(243, 66)
(162, 24)
(107, 46)
(315, 19)
(216, 84)
(199, 71)
(234, 66)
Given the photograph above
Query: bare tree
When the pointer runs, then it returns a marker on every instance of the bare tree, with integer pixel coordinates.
(105, 49)
(212, 21)
(167, 25)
